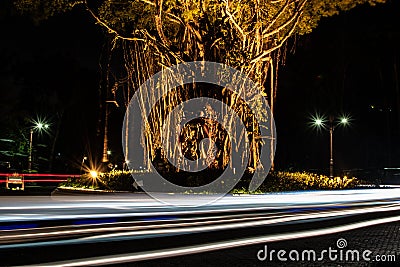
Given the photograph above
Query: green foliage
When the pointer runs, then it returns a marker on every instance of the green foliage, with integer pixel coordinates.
(41, 10)
(242, 190)
(275, 182)
(317, 9)
(293, 181)
(126, 16)
(14, 144)
(110, 181)
(279, 182)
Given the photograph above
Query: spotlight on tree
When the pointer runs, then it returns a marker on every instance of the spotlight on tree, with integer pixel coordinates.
(93, 174)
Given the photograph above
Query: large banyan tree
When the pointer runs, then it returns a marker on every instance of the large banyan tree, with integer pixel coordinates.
(146, 36)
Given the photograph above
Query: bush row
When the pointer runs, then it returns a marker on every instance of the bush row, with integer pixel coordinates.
(292, 181)
(275, 182)
(111, 181)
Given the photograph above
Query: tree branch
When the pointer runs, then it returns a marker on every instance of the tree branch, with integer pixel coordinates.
(109, 29)
(232, 19)
(287, 35)
(170, 16)
(277, 15)
(284, 25)
(158, 22)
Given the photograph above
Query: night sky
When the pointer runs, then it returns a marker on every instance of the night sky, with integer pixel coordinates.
(346, 66)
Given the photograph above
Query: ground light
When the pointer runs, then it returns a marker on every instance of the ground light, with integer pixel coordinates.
(93, 174)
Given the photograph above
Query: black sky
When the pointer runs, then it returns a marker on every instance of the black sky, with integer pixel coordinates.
(346, 65)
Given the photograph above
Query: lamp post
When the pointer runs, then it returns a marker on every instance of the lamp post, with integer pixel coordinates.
(320, 123)
(39, 126)
(83, 162)
(106, 152)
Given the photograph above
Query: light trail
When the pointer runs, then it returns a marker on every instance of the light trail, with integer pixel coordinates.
(196, 225)
(61, 177)
(39, 175)
(132, 257)
(126, 217)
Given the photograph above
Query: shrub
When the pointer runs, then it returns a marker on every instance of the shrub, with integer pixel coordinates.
(292, 181)
(111, 181)
(275, 182)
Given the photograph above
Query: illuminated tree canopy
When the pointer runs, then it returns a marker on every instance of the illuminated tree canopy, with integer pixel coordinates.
(243, 34)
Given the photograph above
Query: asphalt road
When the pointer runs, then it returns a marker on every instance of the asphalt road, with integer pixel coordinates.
(67, 230)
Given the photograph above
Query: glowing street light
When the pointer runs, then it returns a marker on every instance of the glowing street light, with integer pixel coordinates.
(319, 123)
(38, 126)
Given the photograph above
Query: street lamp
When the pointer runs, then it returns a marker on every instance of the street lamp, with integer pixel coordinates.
(38, 126)
(319, 122)
(83, 162)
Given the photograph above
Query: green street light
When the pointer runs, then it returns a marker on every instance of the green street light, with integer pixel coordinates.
(344, 120)
(38, 126)
(319, 122)
(41, 126)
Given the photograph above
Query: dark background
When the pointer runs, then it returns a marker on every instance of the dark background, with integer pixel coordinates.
(346, 66)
